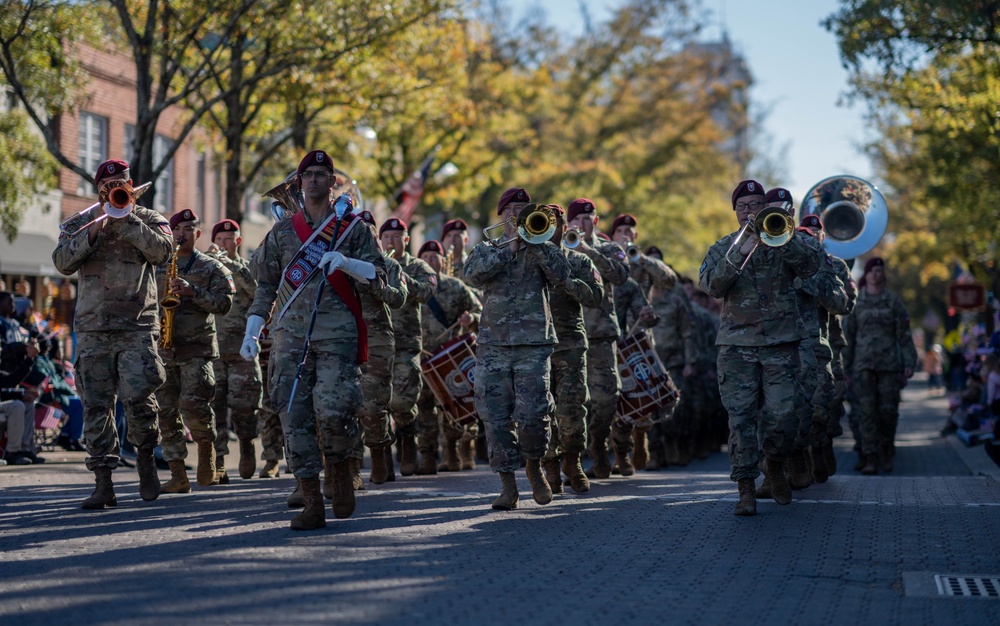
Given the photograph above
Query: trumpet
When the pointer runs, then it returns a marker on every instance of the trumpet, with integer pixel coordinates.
(572, 238)
(632, 253)
(774, 228)
(121, 199)
(536, 223)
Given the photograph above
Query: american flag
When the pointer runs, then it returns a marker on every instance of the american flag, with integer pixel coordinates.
(46, 417)
(408, 196)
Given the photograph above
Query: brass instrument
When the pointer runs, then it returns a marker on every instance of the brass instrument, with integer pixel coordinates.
(572, 238)
(286, 197)
(774, 228)
(391, 252)
(632, 252)
(853, 212)
(121, 199)
(448, 267)
(170, 301)
(536, 223)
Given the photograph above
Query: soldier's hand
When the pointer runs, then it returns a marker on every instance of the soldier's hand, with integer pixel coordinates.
(250, 348)
(647, 315)
(749, 244)
(466, 319)
(182, 287)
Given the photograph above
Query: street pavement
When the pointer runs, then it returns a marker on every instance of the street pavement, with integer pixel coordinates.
(660, 547)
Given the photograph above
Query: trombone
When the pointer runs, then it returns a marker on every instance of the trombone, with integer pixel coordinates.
(536, 223)
(774, 228)
(121, 199)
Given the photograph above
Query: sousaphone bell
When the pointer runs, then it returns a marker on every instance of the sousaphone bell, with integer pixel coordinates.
(853, 212)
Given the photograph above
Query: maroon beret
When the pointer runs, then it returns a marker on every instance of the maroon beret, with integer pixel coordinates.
(654, 251)
(622, 220)
(431, 245)
(225, 226)
(392, 223)
(514, 194)
(778, 195)
(747, 188)
(812, 221)
(187, 215)
(603, 236)
(366, 216)
(451, 225)
(316, 157)
(578, 207)
(875, 261)
(111, 167)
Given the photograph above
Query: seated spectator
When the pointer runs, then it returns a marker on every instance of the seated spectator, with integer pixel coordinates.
(17, 412)
(967, 406)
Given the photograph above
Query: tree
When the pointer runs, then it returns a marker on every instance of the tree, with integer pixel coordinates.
(26, 168)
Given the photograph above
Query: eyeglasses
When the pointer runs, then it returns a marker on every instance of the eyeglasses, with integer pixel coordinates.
(315, 174)
(749, 205)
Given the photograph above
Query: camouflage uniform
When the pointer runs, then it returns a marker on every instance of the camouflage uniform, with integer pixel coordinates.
(421, 281)
(452, 298)
(630, 299)
(879, 348)
(707, 400)
(117, 325)
(826, 421)
(237, 381)
(676, 342)
(584, 288)
(376, 374)
(650, 272)
(329, 391)
(190, 386)
(602, 331)
(759, 347)
(268, 423)
(515, 343)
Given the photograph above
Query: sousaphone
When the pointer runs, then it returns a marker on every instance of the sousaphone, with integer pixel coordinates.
(853, 212)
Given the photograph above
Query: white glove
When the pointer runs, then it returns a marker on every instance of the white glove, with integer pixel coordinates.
(361, 271)
(251, 348)
(331, 261)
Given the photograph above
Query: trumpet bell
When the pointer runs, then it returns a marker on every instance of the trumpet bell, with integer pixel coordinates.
(536, 223)
(853, 212)
(774, 227)
(571, 240)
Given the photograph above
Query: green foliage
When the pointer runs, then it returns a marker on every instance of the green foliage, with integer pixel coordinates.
(26, 168)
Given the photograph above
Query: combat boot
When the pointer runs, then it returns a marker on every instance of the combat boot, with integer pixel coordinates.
(428, 462)
(297, 499)
(408, 455)
(379, 470)
(206, 463)
(797, 472)
(327, 481)
(313, 514)
(862, 461)
(343, 489)
(820, 473)
(871, 465)
(781, 491)
(507, 499)
(390, 472)
(178, 482)
(602, 466)
(540, 489)
(623, 462)
(552, 475)
(831, 459)
(748, 503)
(248, 459)
(764, 491)
(270, 469)
(104, 493)
(640, 456)
(885, 458)
(356, 481)
(149, 482)
(574, 471)
(221, 477)
(451, 461)
(466, 454)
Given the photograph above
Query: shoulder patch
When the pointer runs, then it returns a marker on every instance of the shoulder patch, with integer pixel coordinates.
(434, 280)
(165, 228)
(597, 276)
(232, 285)
(621, 255)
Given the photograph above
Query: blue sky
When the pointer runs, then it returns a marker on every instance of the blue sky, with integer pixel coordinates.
(797, 73)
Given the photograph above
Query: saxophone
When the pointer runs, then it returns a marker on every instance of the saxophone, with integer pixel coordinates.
(169, 302)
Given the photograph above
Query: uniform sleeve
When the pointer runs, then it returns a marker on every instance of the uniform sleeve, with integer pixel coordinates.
(552, 262)
(421, 281)
(71, 252)
(473, 305)
(850, 333)
(832, 293)
(394, 290)
(907, 349)
(716, 275)
(686, 327)
(610, 262)
(662, 274)
(584, 285)
(850, 288)
(801, 257)
(485, 262)
(150, 235)
(218, 298)
(242, 276)
(636, 302)
(268, 274)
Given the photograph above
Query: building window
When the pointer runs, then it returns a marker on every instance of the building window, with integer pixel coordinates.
(200, 182)
(93, 147)
(165, 182)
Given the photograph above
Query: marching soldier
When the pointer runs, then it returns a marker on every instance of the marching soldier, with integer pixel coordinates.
(515, 343)
(205, 288)
(321, 390)
(583, 288)
(117, 325)
(451, 311)
(880, 358)
(759, 342)
(454, 241)
(602, 331)
(272, 440)
(421, 282)
(646, 270)
(237, 382)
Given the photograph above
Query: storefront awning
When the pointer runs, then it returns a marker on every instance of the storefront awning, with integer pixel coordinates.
(29, 254)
